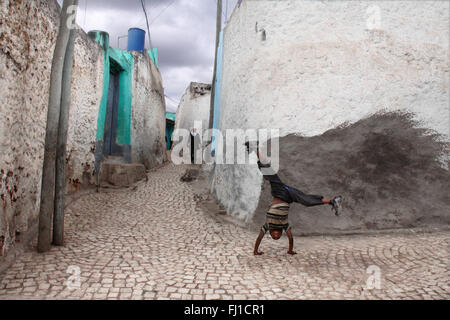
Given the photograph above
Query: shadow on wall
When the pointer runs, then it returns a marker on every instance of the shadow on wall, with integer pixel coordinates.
(384, 166)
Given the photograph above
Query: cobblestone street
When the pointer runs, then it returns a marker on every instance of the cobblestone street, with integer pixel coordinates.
(156, 243)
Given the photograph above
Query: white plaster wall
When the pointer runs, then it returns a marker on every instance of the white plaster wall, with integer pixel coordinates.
(320, 66)
(193, 108)
(28, 35)
(87, 91)
(148, 120)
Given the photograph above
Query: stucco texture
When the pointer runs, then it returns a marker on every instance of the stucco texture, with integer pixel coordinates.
(313, 66)
(384, 167)
(148, 116)
(87, 84)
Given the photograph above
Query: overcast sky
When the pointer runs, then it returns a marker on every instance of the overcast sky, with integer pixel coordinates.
(182, 30)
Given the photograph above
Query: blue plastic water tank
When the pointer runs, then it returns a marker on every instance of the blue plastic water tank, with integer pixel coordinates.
(136, 40)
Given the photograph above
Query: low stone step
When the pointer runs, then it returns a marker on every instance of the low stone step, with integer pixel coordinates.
(120, 175)
(114, 159)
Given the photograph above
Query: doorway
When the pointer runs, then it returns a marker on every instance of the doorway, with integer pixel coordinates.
(110, 147)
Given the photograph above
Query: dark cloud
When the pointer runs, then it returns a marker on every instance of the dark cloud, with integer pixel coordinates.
(182, 30)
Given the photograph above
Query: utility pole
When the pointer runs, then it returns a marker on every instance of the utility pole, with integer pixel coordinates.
(51, 134)
(213, 88)
(226, 11)
(148, 26)
(60, 178)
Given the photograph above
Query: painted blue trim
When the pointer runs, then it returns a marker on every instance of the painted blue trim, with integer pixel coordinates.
(218, 89)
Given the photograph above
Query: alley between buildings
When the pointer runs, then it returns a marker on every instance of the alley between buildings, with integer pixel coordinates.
(156, 242)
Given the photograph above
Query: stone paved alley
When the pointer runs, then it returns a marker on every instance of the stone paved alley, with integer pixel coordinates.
(156, 243)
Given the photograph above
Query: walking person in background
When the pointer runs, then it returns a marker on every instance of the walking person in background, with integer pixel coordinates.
(195, 143)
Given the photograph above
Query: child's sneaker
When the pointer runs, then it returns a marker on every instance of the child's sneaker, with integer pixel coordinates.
(337, 205)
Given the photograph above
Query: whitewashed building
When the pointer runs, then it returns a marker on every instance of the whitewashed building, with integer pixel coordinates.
(308, 67)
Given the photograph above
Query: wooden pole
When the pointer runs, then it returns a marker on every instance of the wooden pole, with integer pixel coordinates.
(60, 178)
(148, 26)
(51, 134)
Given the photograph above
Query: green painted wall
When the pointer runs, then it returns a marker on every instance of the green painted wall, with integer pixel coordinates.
(153, 54)
(125, 60)
(170, 127)
(102, 38)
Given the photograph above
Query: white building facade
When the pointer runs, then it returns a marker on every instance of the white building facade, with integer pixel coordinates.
(307, 67)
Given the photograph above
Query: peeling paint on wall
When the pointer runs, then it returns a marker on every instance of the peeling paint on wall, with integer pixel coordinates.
(124, 61)
(102, 38)
(143, 135)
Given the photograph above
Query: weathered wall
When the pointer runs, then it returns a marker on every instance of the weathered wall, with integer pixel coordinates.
(24, 76)
(148, 113)
(311, 66)
(87, 84)
(194, 106)
(384, 167)
(28, 35)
